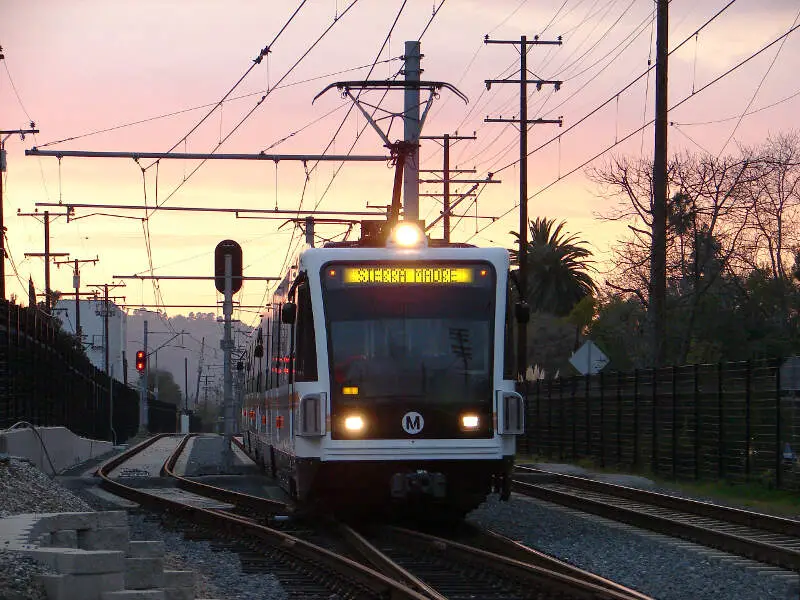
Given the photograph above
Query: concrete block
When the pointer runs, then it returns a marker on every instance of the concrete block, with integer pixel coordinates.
(109, 538)
(65, 538)
(147, 549)
(144, 573)
(70, 520)
(112, 518)
(134, 595)
(178, 593)
(18, 531)
(74, 561)
(179, 579)
(81, 587)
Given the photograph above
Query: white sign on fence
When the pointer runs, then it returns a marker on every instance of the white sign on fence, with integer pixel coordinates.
(589, 359)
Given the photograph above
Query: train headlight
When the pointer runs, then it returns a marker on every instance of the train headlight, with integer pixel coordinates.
(407, 235)
(470, 421)
(354, 423)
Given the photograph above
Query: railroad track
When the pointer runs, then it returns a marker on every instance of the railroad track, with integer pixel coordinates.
(765, 538)
(314, 571)
(320, 557)
(481, 565)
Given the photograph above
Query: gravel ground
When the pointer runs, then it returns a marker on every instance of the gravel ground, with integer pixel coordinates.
(662, 568)
(221, 575)
(23, 489)
(652, 564)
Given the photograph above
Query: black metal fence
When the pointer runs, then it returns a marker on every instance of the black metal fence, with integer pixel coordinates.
(46, 380)
(728, 421)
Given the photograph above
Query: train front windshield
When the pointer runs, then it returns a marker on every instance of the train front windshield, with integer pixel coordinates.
(404, 333)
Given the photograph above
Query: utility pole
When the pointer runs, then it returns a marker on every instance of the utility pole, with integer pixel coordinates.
(658, 256)
(143, 409)
(76, 283)
(523, 314)
(446, 181)
(106, 312)
(47, 255)
(227, 347)
(186, 384)
(199, 370)
(4, 135)
(411, 130)
(405, 153)
(446, 172)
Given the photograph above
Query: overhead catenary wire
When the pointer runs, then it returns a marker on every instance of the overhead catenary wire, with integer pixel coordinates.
(241, 121)
(257, 61)
(206, 105)
(289, 249)
(258, 103)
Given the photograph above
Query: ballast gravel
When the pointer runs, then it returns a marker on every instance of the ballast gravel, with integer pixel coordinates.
(655, 565)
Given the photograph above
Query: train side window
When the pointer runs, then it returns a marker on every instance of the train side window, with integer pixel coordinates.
(511, 329)
(276, 348)
(306, 350)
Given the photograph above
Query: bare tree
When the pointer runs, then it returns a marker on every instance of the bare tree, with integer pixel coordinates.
(707, 214)
(775, 198)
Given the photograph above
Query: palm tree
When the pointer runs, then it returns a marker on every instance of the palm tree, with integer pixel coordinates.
(558, 268)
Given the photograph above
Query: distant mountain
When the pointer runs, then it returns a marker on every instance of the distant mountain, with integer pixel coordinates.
(180, 354)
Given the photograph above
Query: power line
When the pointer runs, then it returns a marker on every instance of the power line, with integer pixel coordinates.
(428, 24)
(257, 105)
(256, 61)
(758, 88)
(200, 106)
(618, 92)
(731, 118)
(637, 130)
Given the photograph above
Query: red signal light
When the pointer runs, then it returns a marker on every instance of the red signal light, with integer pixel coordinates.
(141, 361)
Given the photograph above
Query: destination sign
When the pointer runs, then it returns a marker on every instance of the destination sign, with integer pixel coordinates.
(401, 275)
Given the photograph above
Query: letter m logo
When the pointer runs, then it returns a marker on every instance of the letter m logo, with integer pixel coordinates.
(413, 423)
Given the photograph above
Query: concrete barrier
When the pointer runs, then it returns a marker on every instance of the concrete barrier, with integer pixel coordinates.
(58, 448)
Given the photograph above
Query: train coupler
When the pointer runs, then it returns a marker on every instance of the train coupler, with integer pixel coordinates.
(418, 483)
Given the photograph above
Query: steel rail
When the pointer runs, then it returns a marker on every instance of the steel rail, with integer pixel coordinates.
(384, 564)
(758, 550)
(703, 509)
(499, 544)
(246, 501)
(376, 584)
(546, 580)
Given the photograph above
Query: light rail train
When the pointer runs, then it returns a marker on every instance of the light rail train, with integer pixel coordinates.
(382, 377)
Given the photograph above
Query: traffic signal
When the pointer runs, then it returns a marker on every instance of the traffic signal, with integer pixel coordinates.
(141, 361)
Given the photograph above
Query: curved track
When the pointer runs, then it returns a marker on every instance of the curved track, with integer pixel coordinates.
(765, 538)
(340, 575)
(404, 564)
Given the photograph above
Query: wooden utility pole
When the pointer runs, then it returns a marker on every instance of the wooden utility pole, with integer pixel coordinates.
(658, 256)
(523, 314)
(4, 134)
(47, 255)
(446, 172)
(76, 283)
(105, 287)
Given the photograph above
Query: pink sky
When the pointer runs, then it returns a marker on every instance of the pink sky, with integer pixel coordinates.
(88, 65)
